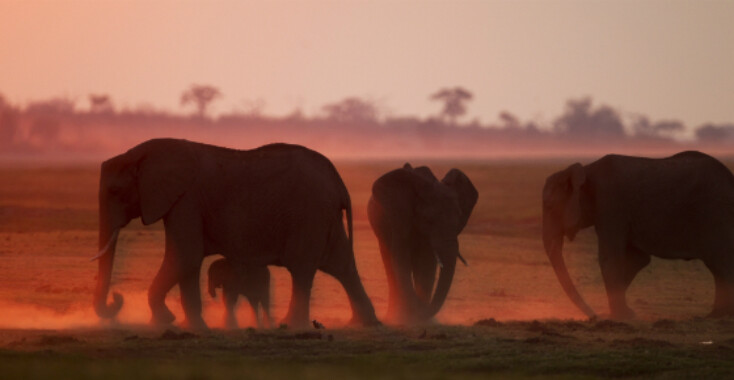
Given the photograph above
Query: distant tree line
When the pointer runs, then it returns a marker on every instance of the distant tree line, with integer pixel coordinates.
(58, 124)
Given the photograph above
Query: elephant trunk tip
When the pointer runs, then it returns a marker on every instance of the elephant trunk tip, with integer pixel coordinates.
(109, 311)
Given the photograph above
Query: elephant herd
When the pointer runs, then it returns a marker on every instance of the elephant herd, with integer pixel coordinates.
(285, 205)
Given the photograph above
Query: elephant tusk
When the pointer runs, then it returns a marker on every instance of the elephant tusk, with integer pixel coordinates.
(438, 259)
(462, 260)
(106, 248)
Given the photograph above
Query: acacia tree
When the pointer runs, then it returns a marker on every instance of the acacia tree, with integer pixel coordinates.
(100, 103)
(352, 110)
(201, 96)
(454, 102)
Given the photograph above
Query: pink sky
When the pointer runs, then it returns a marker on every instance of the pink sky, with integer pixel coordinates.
(667, 59)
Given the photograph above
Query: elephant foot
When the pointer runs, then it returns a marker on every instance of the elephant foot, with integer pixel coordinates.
(299, 323)
(369, 322)
(722, 312)
(624, 314)
(196, 324)
(231, 324)
(162, 317)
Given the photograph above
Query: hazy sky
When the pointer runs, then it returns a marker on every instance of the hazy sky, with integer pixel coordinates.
(667, 59)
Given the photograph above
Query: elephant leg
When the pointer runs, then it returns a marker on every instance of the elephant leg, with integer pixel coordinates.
(298, 311)
(363, 313)
(424, 273)
(191, 300)
(403, 303)
(230, 301)
(254, 306)
(618, 269)
(721, 268)
(164, 280)
(392, 296)
(185, 248)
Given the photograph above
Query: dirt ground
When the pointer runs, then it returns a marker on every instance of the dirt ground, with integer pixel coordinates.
(506, 315)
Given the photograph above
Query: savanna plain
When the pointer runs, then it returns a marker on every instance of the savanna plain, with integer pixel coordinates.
(506, 316)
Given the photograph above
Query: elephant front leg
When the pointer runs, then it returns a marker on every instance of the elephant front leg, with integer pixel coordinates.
(191, 300)
(299, 309)
(182, 264)
(164, 280)
(619, 266)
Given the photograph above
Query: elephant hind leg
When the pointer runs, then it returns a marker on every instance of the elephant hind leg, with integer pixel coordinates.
(724, 288)
(299, 309)
(363, 313)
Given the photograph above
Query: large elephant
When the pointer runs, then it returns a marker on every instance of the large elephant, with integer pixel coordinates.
(679, 207)
(278, 204)
(235, 279)
(417, 220)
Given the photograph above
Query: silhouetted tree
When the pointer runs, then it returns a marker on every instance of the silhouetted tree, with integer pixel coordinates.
(8, 123)
(715, 133)
(100, 103)
(201, 96)
(51, 107)
(509, 121)
(454, 100)
(580, 121)
(351, 110)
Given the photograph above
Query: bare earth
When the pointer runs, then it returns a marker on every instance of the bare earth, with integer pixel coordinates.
(506, 315)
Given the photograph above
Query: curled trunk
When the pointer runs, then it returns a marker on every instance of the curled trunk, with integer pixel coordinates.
(107, 246)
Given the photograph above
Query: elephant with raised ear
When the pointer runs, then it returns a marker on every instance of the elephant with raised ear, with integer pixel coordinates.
(417, 220)
(235, 279)
(679, 207)
(279, 204)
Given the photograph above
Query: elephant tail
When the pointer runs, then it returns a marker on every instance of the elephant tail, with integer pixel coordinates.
(348, 207)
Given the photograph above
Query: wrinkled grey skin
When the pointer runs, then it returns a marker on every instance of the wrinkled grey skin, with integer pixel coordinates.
(417, 220)
(680, 207)
(252, 282)
(278, 204)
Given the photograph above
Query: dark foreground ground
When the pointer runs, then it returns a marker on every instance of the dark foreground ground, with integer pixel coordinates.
(490, 349)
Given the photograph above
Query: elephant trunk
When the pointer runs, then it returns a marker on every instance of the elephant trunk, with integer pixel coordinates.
(442, 286)
(107, 246)
(554, 249)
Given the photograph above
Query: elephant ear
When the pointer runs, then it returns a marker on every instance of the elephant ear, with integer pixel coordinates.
(467, 194)
(572, 212)
(163, 177)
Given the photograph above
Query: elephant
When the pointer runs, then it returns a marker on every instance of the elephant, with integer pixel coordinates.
(417, 220)
(278, 204)
(252, 282)
(679, 207)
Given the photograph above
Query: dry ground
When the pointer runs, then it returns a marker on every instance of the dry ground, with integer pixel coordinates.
(48, 231)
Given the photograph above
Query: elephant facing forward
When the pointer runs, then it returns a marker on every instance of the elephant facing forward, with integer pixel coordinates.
(279, 204)
(417, 220)
(680, 207)
(251, 282)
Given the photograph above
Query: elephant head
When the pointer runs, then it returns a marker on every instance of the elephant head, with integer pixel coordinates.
(432, 213)
(144, 182)
(565, 212)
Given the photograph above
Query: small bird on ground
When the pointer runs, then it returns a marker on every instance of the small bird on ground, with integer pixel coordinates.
(317, 325)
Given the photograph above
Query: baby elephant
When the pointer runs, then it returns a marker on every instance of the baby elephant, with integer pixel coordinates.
(236, 279)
